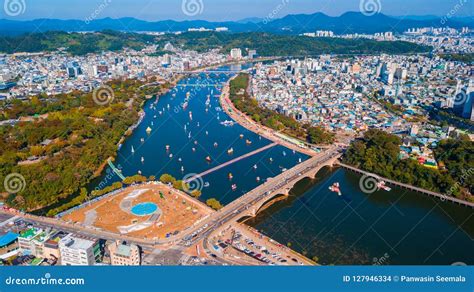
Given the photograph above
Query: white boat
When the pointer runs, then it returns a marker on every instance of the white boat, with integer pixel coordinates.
(148, 130)
(143, 159)
(182, 168)
(227, 123)
(133, 150)
(381, 185)
(255, 166)
(230, 151)
(206, 184)
(335, 189)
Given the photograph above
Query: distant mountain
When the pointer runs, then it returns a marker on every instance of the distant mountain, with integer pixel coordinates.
(351, 22)
(417, 17)
(250, 20)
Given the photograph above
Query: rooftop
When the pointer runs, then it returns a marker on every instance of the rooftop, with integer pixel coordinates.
(123, 250)
(8, 238)
(74, 242)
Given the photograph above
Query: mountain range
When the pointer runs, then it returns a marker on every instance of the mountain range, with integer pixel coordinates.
(350, 22)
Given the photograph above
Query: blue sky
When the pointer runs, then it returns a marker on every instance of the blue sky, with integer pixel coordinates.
(219, 10)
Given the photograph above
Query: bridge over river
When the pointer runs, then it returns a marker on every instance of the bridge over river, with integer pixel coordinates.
(252, 202)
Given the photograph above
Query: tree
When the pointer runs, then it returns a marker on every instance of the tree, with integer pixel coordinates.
(196, 193)
(214, 204)
(167, 178)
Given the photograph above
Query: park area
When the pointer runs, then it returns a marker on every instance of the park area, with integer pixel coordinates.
(150, 211)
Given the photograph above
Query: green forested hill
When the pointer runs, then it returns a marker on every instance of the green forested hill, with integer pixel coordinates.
(266, 44)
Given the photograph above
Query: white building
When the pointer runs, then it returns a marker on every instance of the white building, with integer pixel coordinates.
(236, 54)
(76, 251)
(122, 254)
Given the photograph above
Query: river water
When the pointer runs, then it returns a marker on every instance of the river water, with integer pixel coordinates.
(396, 227)
(191, 133)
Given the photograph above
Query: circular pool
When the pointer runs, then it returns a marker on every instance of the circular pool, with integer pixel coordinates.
(144, 209)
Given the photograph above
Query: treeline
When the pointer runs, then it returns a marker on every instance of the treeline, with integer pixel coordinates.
(464, 58)
(74, 43)
(67, 147)
(279, 122)
(268, 44)
(378, 152)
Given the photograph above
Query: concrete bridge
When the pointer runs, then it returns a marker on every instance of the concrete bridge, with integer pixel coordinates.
(250, 204)
(278, 188)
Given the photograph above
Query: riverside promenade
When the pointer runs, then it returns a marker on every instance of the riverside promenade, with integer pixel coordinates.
(251, 125)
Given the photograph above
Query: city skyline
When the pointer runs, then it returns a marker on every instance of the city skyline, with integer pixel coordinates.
(212, 10)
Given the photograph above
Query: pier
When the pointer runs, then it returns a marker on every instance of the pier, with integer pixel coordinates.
(202, 174)
(409, 187)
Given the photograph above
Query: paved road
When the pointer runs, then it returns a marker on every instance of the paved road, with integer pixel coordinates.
(232, 211)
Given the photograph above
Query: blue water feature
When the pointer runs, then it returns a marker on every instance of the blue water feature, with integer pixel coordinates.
(144, 209)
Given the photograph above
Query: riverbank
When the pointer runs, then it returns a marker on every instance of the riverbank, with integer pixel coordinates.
(377, 178)
(255, 127)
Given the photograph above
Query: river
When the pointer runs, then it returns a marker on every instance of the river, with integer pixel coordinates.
(396, 227)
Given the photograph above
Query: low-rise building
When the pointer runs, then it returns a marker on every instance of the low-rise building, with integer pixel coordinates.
(77, 251)
(123, 254)
(8, 243)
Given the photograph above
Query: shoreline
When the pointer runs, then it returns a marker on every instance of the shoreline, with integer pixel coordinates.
(246, 122)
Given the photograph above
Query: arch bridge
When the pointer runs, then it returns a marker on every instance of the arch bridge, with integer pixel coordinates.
(279, 187)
